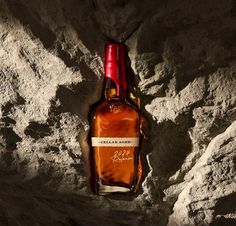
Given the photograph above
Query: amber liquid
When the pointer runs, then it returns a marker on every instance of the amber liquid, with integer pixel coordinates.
(114, 169)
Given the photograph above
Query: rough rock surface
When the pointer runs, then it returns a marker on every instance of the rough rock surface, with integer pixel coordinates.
(183, 63)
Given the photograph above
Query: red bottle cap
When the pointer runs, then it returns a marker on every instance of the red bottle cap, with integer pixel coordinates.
(115, 66)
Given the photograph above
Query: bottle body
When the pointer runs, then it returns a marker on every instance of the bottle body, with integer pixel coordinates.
(115, 142)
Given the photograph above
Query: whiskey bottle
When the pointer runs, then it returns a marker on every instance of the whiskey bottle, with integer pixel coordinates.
(115, 131)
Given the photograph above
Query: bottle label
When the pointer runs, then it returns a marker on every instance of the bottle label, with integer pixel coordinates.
(115, 141)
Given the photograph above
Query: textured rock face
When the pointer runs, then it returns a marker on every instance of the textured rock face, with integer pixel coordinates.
(183, 67)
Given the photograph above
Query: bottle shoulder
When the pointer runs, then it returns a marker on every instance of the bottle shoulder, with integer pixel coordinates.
(114, 106)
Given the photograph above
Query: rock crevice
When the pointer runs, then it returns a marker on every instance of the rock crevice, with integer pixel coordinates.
(182, 66)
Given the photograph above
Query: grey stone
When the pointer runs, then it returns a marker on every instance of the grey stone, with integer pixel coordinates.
(182, 66)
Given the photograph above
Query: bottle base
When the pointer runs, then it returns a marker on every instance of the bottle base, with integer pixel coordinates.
(106, 189)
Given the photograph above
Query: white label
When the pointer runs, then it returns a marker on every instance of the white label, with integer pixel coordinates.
(115, 141)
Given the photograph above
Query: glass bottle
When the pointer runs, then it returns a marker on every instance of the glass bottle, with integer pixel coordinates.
(115, 131)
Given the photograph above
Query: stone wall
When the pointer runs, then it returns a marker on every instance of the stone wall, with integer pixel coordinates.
(183, 66)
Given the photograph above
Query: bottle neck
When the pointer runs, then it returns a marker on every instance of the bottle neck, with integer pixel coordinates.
(115, 71)
(112, 91)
